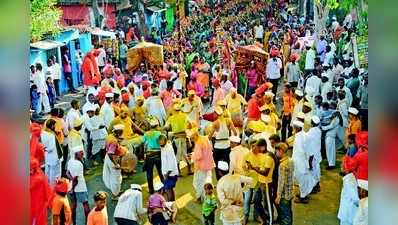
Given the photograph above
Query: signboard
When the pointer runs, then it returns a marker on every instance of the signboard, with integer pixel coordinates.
(362, 49)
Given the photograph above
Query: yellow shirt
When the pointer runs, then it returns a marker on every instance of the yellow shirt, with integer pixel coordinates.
(178, 122)
(128, 130)
(255, 161)
(235, 104)
(267, 163)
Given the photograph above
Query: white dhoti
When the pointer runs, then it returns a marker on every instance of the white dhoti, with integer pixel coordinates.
(330, 144)
(316, 170)
(98, 145)
(200, 178)
(112, 177)
(53, 172)
(181, 145)
(306, 183)
(45, 102)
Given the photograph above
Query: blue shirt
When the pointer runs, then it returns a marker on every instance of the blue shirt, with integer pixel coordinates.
(151, 139)
(123, 51)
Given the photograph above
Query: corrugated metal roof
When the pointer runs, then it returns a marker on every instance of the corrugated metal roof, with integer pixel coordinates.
(46, 44)
(99, 32)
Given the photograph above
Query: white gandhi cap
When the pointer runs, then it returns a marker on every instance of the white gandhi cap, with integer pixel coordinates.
(222, 165)
(353, 110)
(235, 139)
(297, 123)
(315, 119)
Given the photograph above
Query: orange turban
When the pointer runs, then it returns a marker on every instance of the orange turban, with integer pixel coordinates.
(361, 139)
(62, 185)
(125, 97)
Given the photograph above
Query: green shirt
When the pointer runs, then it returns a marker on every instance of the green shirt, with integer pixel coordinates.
(151, 139)
(209, 204)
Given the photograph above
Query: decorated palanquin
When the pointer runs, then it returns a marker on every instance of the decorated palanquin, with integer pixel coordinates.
(245, 54)
(144, 51)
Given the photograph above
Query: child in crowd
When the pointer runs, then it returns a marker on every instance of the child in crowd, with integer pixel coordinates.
(169, 167)
(209, 205)
(157, 206)
(99, 214)
(351, 151)
(51, 91)
(61, 211)
(34, 98)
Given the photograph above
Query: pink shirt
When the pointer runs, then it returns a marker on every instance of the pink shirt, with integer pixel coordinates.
(252, 77)
(156, 201)
(167, 97)
(218, 95)
(202, 155)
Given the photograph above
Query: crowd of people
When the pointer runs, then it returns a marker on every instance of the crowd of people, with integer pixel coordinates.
(186, 117)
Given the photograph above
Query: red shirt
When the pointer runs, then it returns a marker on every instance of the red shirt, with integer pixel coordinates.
(253, 110)
(358, 165)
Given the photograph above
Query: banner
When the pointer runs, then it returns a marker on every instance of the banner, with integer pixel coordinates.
(362, 48)
(170, 19)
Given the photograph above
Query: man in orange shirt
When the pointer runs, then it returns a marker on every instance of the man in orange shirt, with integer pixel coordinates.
(61, 211)
(354, 124)
(288, 106)
(99, 214)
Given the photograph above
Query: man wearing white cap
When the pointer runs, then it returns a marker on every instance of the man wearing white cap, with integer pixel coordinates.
(76, 175)
(74, 136)
(309, 58)
(73, 114)
(177, 124)
(313, 143)
(111, 173)
(349, 200)
(237, 155)
(90, 101)
(107, 110)
(301, 159)
(221, 131)
(330, 139)
(202, 158)
(342, 107)
(96, 126)
(129, 208)
(230, 195)
(235, 101)
(155, 107)
(152, 153)
(354, 124)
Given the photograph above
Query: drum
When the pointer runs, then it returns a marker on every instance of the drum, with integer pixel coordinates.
(128, 162)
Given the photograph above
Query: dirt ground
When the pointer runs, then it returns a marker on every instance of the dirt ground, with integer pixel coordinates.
(321, 210)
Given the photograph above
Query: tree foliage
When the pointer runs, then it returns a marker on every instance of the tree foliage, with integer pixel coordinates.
(44, 18)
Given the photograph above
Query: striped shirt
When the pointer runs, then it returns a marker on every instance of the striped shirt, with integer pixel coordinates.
(285, 180)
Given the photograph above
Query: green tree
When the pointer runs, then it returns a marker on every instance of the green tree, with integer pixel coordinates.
(321, 13)
(44, 19)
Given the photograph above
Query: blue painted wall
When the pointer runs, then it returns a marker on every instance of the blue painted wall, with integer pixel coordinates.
(70, 38)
